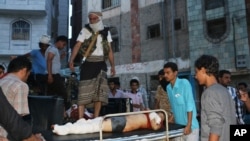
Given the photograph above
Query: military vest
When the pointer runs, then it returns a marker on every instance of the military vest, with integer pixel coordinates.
(105, 44)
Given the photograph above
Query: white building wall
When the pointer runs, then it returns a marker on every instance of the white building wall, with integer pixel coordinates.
(22, 4)
(125, 7)
(38, 27)
(50, 14)
(63, 17)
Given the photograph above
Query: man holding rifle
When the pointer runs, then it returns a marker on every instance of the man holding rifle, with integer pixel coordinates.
(93, 43)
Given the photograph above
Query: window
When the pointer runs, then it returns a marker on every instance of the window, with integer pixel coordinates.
(115, 42)
(177, 24)
(216, 28)
(212, 4)
(153, 31)
(20, 30)
(110, 3)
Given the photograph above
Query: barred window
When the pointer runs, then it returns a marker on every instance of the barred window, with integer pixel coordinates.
(177, 24)
(110, 3)
(212, 4)
(20, 30)
(153, 31)
(216, 28)
(115, 42)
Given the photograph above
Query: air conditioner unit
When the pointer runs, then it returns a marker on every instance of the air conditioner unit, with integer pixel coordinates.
(241, 61)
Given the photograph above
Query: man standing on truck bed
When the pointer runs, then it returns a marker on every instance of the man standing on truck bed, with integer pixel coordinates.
(93, 87)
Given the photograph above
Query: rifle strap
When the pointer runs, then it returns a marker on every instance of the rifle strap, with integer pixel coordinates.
(90, 45)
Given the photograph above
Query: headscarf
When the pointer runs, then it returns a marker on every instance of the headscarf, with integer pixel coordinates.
(99, 25)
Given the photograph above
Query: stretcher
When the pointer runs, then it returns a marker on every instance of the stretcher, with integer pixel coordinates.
(171, 130)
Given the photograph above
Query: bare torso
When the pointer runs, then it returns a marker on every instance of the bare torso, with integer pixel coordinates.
(133, 122)
(136, 122)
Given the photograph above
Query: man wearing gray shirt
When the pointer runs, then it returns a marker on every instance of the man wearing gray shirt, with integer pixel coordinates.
(217, 106)
(53, 59)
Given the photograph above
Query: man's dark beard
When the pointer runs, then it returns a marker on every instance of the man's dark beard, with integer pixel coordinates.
(164, 84)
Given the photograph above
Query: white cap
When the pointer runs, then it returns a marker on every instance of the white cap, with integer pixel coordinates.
(45, 39)
(136, 78)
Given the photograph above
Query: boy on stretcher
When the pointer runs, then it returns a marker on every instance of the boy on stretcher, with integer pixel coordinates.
(113, 124)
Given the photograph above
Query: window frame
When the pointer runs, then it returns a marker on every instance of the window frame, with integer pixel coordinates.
(177, 21)
(19, 31)
(157, 32)
(216, 25)
(213, 4)
(115, 37)
(108, 4)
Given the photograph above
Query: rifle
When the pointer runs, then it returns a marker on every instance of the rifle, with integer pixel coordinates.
(89, 48)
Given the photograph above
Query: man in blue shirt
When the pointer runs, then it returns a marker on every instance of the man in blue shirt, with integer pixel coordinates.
(182, 102)
(37, 78)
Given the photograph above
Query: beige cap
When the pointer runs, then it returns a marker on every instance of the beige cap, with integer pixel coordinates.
(45, 39)
(97, 13)
(136, 78)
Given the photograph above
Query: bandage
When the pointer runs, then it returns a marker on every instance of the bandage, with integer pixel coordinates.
(62, 129)
(81, 126)
(157, 118)
(81, 121)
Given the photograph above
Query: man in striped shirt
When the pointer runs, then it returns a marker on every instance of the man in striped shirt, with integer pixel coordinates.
(14, 84)
(225, 80)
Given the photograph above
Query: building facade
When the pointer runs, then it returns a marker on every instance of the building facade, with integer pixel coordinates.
(148, 33)
(219, 28)
(141, 32)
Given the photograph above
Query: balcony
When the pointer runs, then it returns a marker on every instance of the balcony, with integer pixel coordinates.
(32, 7)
